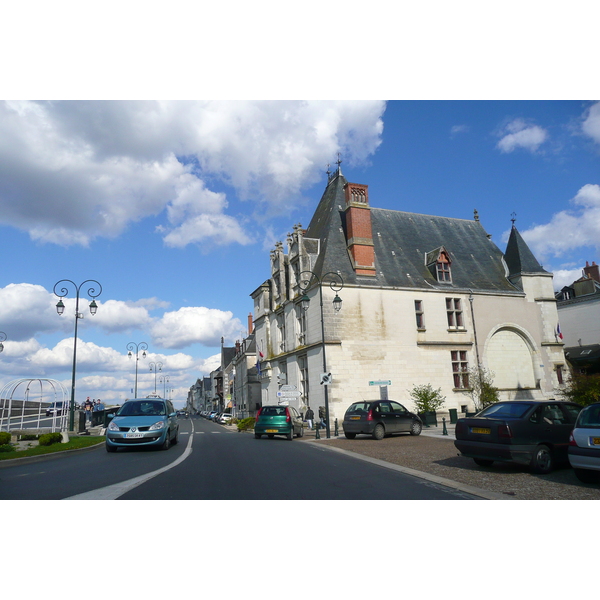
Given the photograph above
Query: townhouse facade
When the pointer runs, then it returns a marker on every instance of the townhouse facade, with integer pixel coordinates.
(423, 300)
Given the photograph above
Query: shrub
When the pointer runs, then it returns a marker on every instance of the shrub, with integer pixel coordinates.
(4, 437)
(7, 448)
(427, 399)
(245, 424)
(582, 389)
(28, 437)
(47, 439)
(481, 388)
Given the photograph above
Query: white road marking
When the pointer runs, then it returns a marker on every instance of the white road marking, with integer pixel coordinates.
(112, 492)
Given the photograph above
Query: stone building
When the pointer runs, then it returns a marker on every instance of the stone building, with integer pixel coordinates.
(424, 299)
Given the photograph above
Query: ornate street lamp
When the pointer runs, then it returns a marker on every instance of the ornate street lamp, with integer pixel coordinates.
(2, 339)
(164, 379)
(141, 346)
(336, 283)
(60, 309)
(155, 366)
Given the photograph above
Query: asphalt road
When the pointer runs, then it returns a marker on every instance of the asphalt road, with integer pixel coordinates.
(215, 463)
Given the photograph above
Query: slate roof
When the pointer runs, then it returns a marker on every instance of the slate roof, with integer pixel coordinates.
(402, 241)
(518, 256)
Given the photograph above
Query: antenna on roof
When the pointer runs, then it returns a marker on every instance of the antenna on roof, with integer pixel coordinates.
(338, 162)
(514, 217)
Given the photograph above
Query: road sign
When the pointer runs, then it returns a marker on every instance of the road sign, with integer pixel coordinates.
(386, 382)
(289, 394)
(288, 388)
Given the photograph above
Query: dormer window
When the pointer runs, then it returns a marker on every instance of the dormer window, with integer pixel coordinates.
(443, 269)
(438, 262)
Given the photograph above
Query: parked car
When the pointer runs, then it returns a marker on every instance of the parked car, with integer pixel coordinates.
(143, 422)
(56, 408)
(379, 418)
(278, 420)
(584, 445)
(225, 418)
(528, 432)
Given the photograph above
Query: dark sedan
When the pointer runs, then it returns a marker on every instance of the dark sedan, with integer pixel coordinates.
(379, 418)
(533, 433)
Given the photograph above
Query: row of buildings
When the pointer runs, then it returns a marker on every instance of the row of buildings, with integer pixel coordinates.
(367, 303)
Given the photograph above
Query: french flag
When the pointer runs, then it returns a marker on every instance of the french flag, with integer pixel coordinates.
(559, 334)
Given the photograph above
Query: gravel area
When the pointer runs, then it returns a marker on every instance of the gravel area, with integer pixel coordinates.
(439, 456)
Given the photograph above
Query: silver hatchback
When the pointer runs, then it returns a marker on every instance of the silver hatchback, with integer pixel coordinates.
(584, 445)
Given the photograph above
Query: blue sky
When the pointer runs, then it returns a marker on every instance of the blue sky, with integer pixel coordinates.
(174, 206)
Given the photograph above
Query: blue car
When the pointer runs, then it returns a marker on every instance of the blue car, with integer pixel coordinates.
(143, 422)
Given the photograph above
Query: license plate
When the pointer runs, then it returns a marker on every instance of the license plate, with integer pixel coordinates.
(485, 430)
(134, 435)
(355, 418)
(596, 441)
(271, 430)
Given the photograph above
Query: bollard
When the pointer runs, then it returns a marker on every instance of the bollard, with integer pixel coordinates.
(444, 430)
(317, 435)
(336, 429)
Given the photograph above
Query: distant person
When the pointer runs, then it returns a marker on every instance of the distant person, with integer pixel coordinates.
(310, 417)
(89, 405)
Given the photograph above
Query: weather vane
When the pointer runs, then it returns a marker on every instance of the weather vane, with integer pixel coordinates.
(513, 217)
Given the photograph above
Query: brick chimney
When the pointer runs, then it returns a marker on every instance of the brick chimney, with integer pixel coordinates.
(250, 324)
(592, 271)
(359, 233)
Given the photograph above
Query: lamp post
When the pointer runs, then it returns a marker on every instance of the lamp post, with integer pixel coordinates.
(164, 379)
(336, 284)
(2, 339)
(60, 308)
(155, 366)
(141, 346)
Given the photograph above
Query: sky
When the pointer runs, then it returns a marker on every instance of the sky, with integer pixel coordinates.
(173, 207)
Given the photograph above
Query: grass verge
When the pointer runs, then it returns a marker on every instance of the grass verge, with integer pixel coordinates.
(75, 443)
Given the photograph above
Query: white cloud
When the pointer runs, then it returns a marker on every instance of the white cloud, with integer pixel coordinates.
(568, 230)
(72, 171)
(459, 129)
(518, 134)
(195, 325)
(591, 123)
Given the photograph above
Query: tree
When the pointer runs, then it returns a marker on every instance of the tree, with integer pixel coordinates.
(427, 399)
(582, 389)
(481, 388)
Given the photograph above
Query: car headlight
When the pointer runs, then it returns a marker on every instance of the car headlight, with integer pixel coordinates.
(112, 426)
(157, 425)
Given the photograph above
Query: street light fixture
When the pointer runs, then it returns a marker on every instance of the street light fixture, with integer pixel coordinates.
(60, 309)
(164, 379)
(141, 346)
(2, 339)
(336, 284)
(155, 366)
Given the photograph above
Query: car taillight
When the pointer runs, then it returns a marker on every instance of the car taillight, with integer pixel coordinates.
(370, 415)
(258, 413)
(287, 415)
(572, 441)
(504, 431)
(460, 428)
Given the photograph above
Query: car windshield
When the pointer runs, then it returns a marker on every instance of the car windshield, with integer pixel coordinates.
(273, 411)
(147, 408)
(506, 410)
(590, 417)
(359, 407)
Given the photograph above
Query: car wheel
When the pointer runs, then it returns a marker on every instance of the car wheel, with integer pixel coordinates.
(110, 448)
(301, 434)
(542, 461)
(483, 462)
(290, 435)
(176, 438)
(379, 432)
(167, 443)
(270, 435)
(349, 435)
(257, 436)
(587, 476)
(416, 428)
